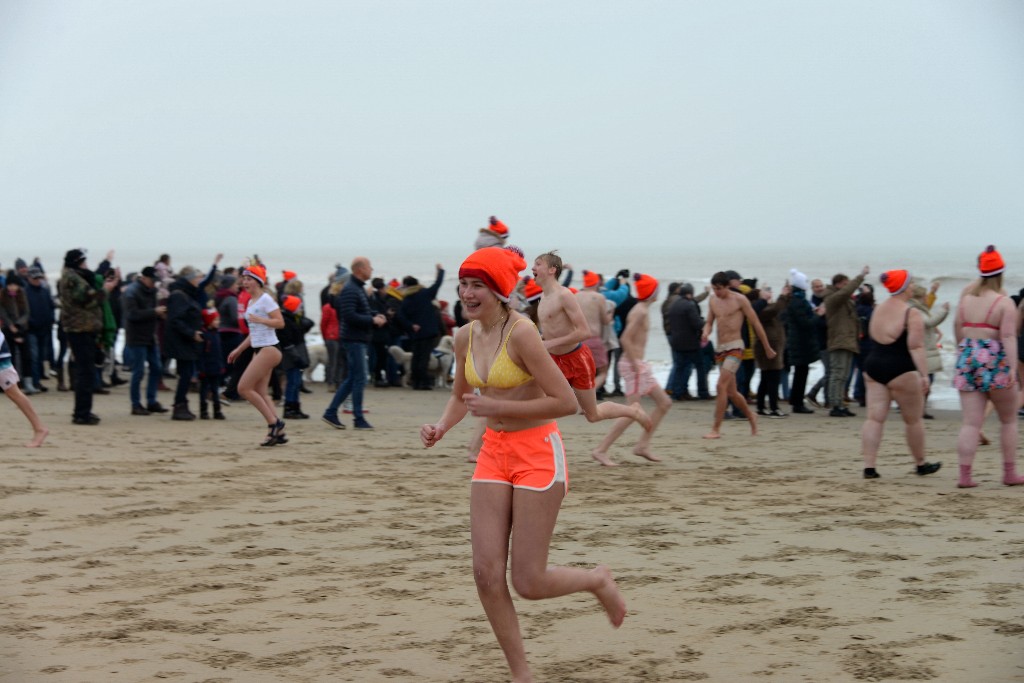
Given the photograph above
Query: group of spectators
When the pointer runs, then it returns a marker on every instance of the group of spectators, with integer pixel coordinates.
(808, 321)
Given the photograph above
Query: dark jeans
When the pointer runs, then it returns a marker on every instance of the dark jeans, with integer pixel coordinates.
(138, 357)
(209, 390)
(797, 389)
(186, 368)
(685, 362)
(421, 350)
(354, 382)
(83, 349)
(40, 346)
(293, 380)
(769, 387)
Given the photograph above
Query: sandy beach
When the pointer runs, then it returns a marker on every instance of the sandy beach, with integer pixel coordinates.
(145, 550)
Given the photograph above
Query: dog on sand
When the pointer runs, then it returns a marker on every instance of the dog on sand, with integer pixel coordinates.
(440, 364)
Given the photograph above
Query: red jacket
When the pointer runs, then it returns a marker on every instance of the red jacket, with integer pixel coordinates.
(329, 323)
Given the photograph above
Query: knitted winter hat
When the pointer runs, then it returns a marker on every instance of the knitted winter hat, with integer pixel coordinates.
(496, 227)
(73, 258)
(258, 273)
(591, 279)
(531, 290)
(646, 286)
(291, 303)
(798, 279)
(209, 315)
(288, 275)
(990, 262)
(498, 267)
(896, 281)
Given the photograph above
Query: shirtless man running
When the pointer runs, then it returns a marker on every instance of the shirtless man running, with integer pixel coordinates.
(637, 378)
(567, 331)
(730, 309)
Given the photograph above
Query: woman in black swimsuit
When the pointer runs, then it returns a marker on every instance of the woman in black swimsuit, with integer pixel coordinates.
(896, 368)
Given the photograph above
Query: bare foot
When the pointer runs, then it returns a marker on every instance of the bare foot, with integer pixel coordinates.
(609, 595)
(713, 434)
(645, 452)
(470, 458)
(643, 418)
(603, 458)
(982, 439)
(753, 424)
(38, 438)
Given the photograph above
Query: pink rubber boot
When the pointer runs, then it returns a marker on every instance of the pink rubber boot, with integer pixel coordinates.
(1010, 476)
(965, 478)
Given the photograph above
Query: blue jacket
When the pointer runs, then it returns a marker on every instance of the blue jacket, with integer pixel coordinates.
(354, 315)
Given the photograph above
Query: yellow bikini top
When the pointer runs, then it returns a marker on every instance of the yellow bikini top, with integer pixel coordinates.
(504, 374)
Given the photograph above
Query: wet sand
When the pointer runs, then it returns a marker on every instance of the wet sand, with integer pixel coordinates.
(144, 549)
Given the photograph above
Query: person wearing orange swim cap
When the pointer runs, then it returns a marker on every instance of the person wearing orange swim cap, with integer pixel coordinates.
(503, 373)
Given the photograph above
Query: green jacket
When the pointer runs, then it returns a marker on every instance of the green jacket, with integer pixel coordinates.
(841, 315)
(81, 304)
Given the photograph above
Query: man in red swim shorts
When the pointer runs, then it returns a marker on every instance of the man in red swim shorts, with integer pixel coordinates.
(565, 329)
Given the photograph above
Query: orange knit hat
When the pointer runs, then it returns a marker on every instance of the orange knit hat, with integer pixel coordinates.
(288, 275)
(498, 267)
(259, 273)
(531, 290)
(896, 281)
(990, 262)
(646, 286)
(591, 279)
(291, 303)
(497, 227)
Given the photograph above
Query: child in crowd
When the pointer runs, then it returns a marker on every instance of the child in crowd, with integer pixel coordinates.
(211, 366)
(295, 356)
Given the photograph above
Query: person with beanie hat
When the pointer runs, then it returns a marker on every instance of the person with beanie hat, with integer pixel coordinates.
(294, 354)
(263, 318)
(564, 328)
(494, 235)
(504, 374)
(730, 309)
(81, 316)
(987, 366)
(896, 369)
(637, 379)
(210, 366)
(801, 339)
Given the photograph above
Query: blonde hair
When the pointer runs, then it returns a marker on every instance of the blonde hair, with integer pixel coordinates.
(293, 287)
(994, 283)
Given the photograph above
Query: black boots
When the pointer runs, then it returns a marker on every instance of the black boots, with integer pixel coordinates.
(181, 412)
(204, 413)
(293, 411)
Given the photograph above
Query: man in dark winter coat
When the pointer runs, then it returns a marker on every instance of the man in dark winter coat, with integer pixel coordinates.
(183, 337)
(140, 313)
(422, 322)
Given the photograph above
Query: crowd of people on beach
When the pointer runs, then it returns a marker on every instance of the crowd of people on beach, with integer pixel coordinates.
(522, 351)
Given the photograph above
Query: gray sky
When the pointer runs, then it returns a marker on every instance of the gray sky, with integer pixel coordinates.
(157, 123)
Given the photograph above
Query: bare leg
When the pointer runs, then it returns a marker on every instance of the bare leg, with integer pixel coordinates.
(972, 410)
(609, 410)
(906, 389)
(878, 401)
(982, 439)
(39, 432)
(490, 512)
(254, 381)
(741, 403)
(1005, 402)
(533, 521)
(662, 404)
(600, 453)
(726, 387)
(601, 378)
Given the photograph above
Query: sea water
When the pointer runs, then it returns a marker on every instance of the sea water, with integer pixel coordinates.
(953, 268)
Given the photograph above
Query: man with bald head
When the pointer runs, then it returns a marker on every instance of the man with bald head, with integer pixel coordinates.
(356, 321)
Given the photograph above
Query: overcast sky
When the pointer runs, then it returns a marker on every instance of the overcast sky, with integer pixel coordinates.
(143, 124)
